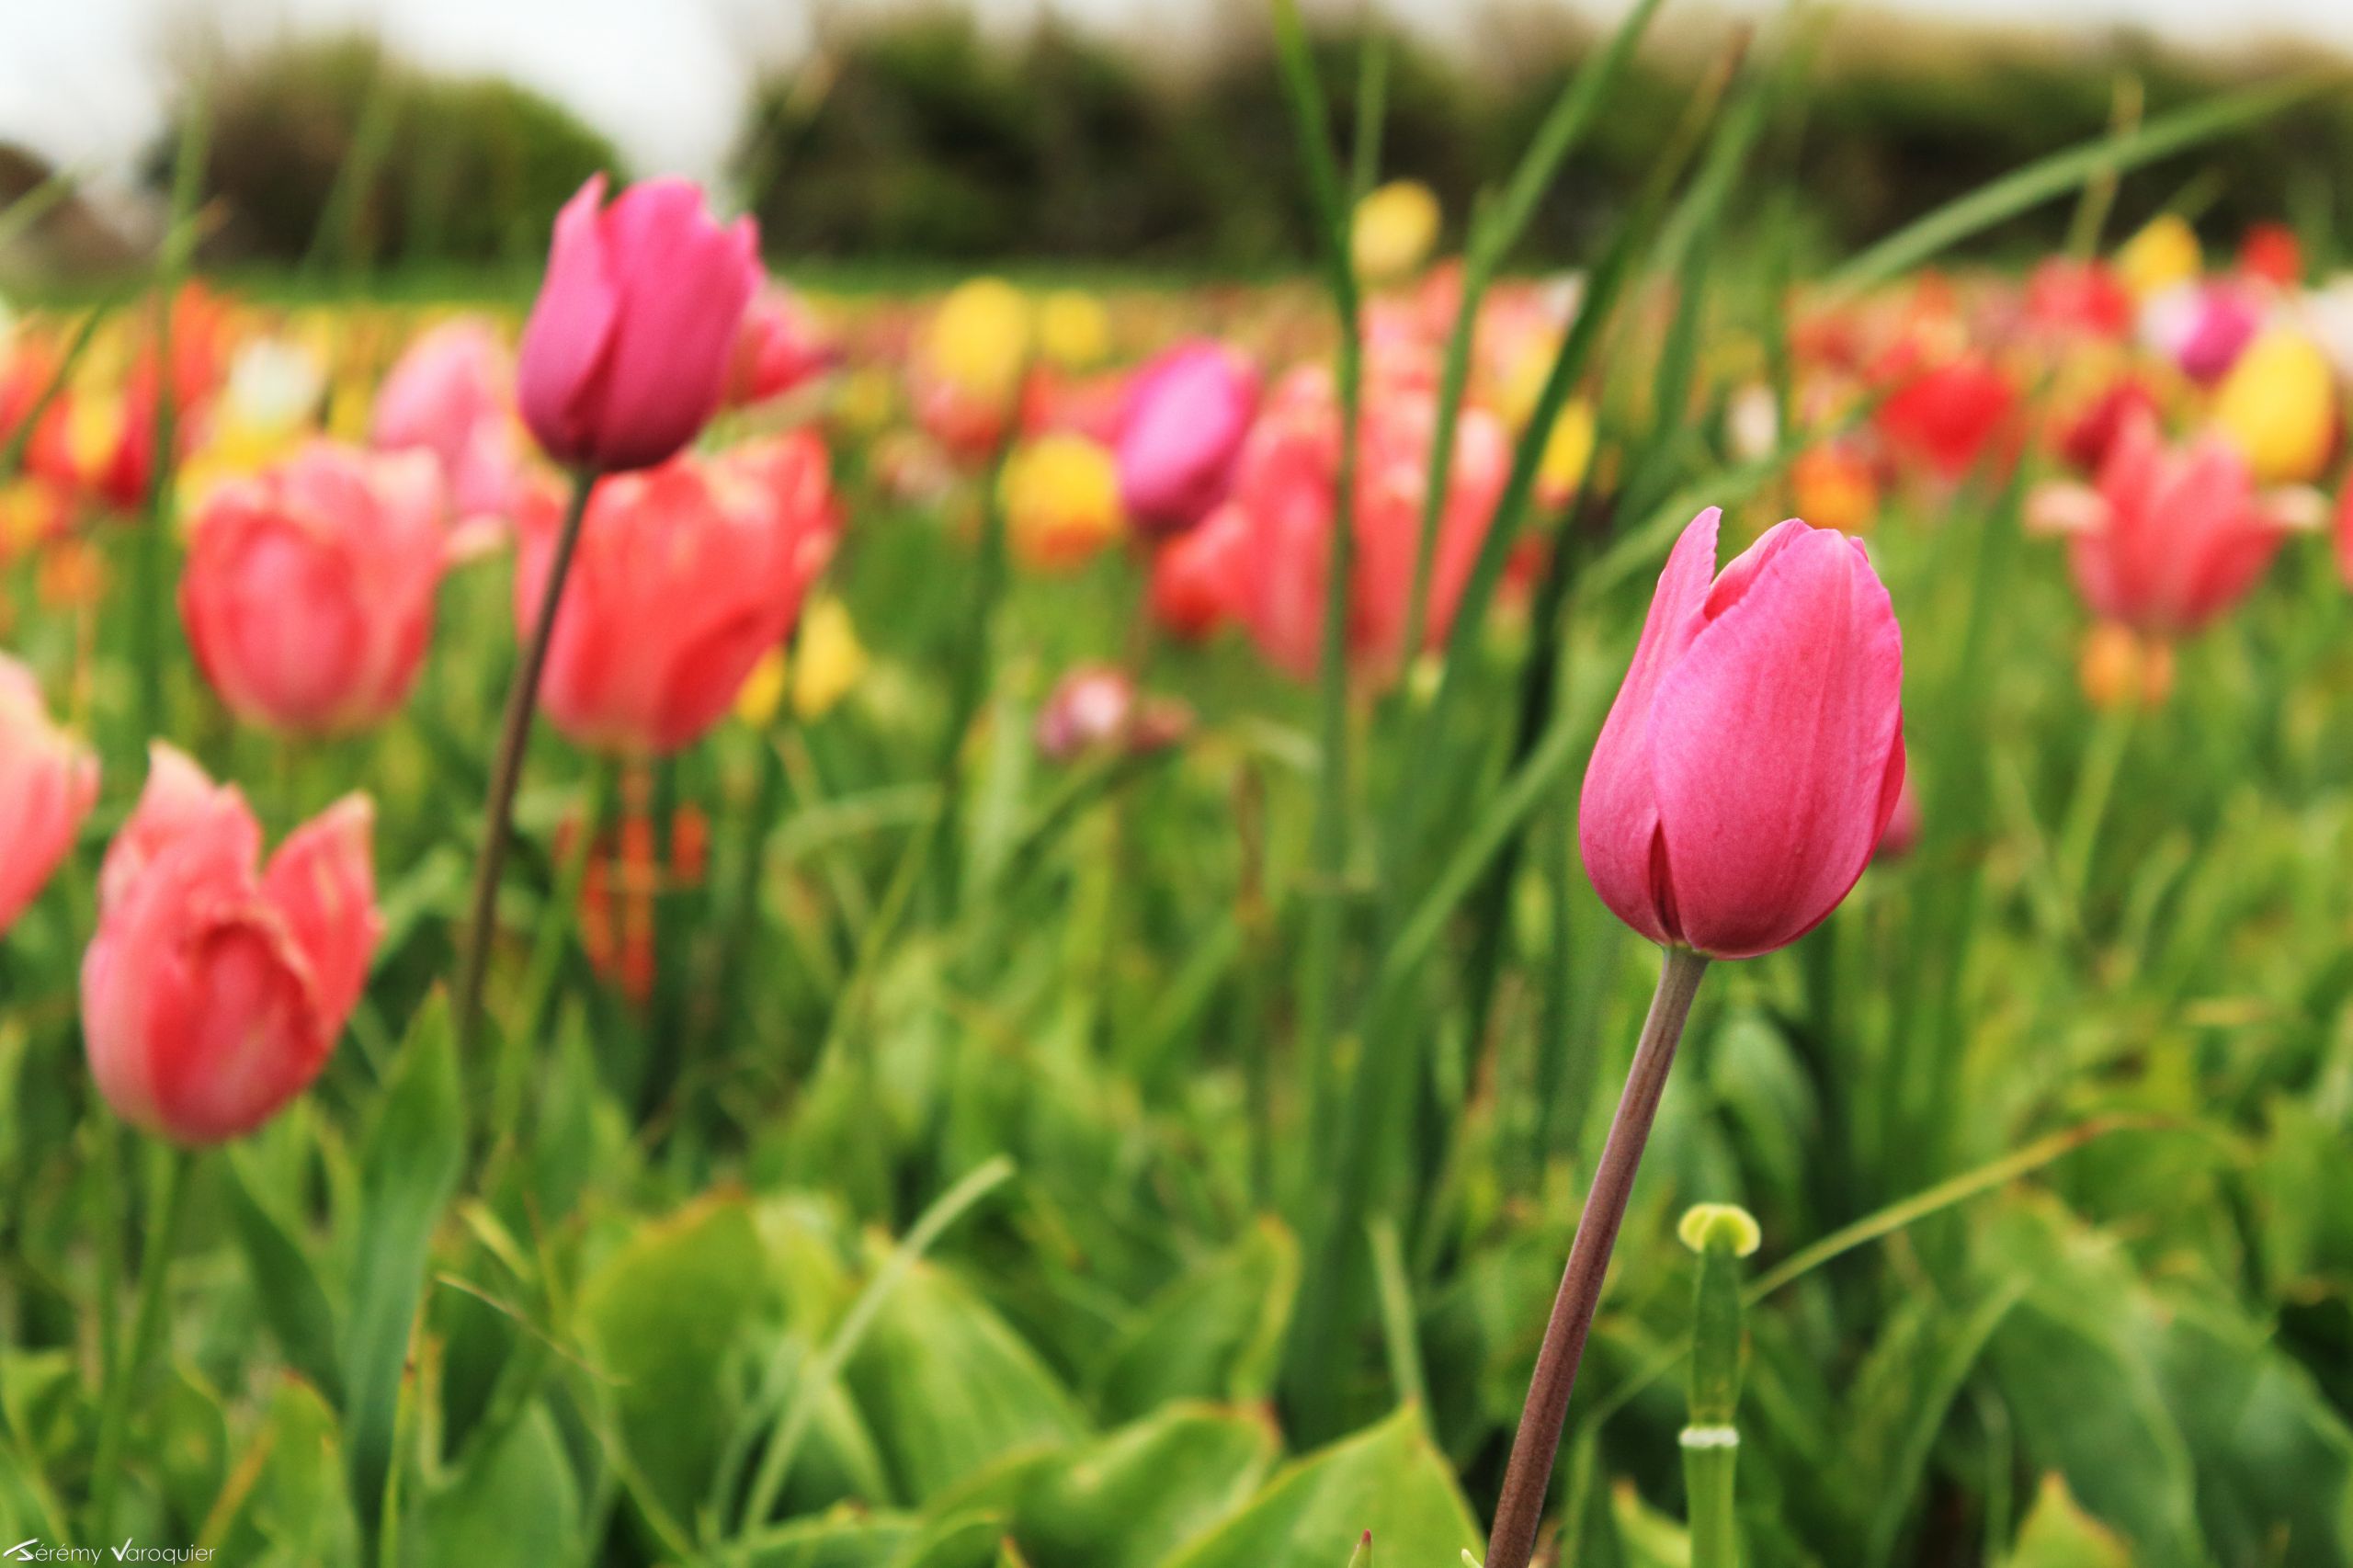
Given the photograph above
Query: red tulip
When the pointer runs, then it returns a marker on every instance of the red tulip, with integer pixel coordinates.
(685, 575)
(1755, 751)
(2271, 254)
(308, 595)
(2176, 538)
(2084, 297)
(778, 350)
(1284, 492)
(48, 783)
(213, 993)
(1187, 416)
(1197, 576)
(452, 394)
(1950, 418)
(627, 351)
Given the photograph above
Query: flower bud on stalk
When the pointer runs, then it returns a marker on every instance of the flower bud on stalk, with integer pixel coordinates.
(1720, 1233)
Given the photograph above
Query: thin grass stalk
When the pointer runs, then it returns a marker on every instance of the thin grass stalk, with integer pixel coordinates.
(167, 1192)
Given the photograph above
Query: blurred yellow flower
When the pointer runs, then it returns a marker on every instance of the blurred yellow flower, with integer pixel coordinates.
(2159, 256)
(1074, 330)
(1568, 451)
(1395, 230)
(1060, 495)
(868, 400)
(2277, 407)
(2119, 667)
(979, 339)
(830, 661)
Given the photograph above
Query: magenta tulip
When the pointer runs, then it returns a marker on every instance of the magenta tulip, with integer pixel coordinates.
(1755, 751)
(1187, 413)
(627, 349)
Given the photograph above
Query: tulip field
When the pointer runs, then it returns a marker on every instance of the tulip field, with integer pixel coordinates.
(1681, 906)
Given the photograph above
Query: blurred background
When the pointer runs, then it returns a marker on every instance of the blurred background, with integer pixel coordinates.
(430, 140)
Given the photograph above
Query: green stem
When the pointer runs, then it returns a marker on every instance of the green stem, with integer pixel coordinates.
(164, 1199)
(2094, 786)
(1529, 1470)
(1710, 1455)
(522, 702)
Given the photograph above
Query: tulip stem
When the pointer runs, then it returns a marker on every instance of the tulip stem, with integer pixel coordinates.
(168, 1188)
(1529, 1472)
(508, 771)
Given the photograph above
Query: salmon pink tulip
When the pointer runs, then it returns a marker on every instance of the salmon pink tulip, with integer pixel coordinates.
(308, 595)
(215, 991)
(1755, 753)
(628, 346)
(686, 574)
(2176, 538)
(48, 783)
(452, 394)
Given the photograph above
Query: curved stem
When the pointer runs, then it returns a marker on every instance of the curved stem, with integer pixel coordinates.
(507, 772)
(147, 1326)
(1521, 1505)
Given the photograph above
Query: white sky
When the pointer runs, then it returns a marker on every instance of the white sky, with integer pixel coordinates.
(81, 80)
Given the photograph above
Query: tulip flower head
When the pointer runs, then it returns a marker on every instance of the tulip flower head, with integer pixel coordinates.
(308, 594)
(452, 394)
(1755, 753)
(1393, 231)
(1187, 412)
(2277, 407)
(215, 989)
(779, 350)
(686, 574)
(1197, 576)
(1060, 495)
(48, 783)
(627, 351)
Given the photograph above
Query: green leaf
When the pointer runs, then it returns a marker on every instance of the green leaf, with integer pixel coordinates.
(1388, 1479)
(287, 1290)
(1213, 1334)
(2059, 1534)
(1129, 1499)
(516, 1505)
(948, 1386)
(408, 1170)
(846, 1539)
(663, 1317)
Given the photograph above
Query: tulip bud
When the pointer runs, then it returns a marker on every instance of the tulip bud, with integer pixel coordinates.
(1187, 416)
(1197, 576)
(685, 575)
(1095, 708)
(308, 595)
(2161, 256)
(2279, 407)
(213, 992)
(48, 783)
(1754, 753)
(1393, 231)
(1060, 495)
(627, 351)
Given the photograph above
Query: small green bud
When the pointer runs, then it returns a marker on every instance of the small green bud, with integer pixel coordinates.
(1719, 1227)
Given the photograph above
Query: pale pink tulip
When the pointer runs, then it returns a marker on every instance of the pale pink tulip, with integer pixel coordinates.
(48, 783)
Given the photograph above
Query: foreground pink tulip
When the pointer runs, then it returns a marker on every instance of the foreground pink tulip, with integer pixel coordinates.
(685, 575)
(628, 348)
(2174, 539)
(1186, 414)
(452, 395)
(1755, 752)
(214, 992)
(308, 590)
(48, 782)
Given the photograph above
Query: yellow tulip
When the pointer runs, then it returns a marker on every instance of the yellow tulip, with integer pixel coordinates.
(1568, 451)
(1395, 230)
(1060, 495)
(2278, 405)
(978, 340)
(1074, 330)
(832, 659)
(2159, 256)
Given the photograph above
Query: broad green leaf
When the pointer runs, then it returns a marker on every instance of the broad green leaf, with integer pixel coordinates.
(1649, 1538)
(516, 1505)
(408, 1170)
(663, 1317)
(1388, 1479)
(287, 1289)
(947, 1385)
(2059, 1534)
(1129, 1499)
(1211, 1334)
(844, 1540)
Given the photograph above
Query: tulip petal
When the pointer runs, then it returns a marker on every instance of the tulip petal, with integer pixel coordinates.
(687, 285)
(322, 882)
(1617, 811)
(569, 334)
(1801, 681)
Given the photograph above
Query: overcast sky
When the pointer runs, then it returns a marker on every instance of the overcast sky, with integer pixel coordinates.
(81, 80)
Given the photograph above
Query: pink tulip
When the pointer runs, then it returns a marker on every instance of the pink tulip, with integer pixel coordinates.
(211, 993)
(1186, 414)
(627, 351)
(779, 350)
(2177, 537)
(686, 574)
(1095, 708)
(48, 783)
(1284, 491)
(452, 394)
(308, 595)
(1755, 752)
(2202, 329)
